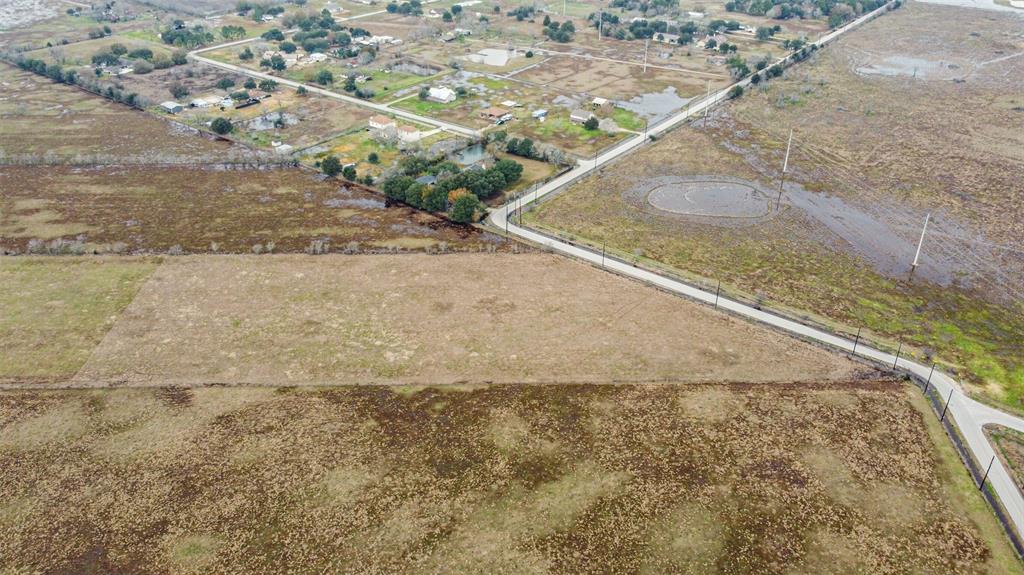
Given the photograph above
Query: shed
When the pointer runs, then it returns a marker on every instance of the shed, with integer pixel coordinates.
(172, 107)
(579, 116)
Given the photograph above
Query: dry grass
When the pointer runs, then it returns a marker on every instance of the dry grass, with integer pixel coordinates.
(876, 144)
(46, 120)
(56, 311)
(431, 320)
(146, 209)
(503, 479)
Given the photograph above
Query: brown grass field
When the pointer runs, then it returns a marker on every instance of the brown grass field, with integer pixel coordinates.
(417, 319)
(766, 479)
(1010, 448)
(873, 145)
(44, 120)
(147, 209)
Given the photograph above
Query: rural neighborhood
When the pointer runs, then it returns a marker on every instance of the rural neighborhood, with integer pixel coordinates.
(494, 286)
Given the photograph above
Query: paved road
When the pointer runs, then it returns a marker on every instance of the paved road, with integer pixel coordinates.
(969, 415)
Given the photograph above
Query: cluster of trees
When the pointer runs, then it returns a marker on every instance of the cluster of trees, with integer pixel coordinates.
(559, 32)
(612, 27)
(838, 12)
(650, 7)
(183, 37)
(456, 190)
(522, 147)
(410, 7)
(257, 11)
(143, 59)
(232, 32)
(766, 32)
(524, 13)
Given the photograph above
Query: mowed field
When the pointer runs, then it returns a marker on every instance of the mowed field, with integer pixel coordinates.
(850, 477)
(876, 149)
(414, 319)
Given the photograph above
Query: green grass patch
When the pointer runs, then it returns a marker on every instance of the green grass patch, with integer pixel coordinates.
(57, 309)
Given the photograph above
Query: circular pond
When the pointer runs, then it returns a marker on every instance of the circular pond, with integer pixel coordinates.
(716, 199)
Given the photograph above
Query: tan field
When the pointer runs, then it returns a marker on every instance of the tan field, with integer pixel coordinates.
(850, 477)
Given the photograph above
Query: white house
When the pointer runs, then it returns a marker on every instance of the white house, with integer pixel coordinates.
(380, 122)
(443, 95)
(200, 103)
(539, 114)
(408, 134)
(598, 102)
(172, 107)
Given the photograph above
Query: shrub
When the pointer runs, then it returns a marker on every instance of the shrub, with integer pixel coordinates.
(221, 126)
(331, 166)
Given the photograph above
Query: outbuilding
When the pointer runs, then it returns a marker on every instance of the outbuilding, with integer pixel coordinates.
(172, 107)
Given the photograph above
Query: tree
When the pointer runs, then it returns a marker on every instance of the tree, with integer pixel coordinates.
(331, 166)
(764, 33)
(225, 83)
(249, 84)
(547, 20)
(591, 123)
(735, 92)
(273, 34)
(302, 91)
(424, 93)
(179, 57)
(529, 53)
(277, 63)
(350, 83)
(349, 172)
(288, 47)
(268, 85)
(324, 78)
(446, 16)
(464, 208)
(221, 126)
(178, 91)
(456, 9)
(121, 50)
(246, 55)
(373, 158)
(142, 67)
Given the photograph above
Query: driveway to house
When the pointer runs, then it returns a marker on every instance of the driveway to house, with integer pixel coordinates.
(970, 416)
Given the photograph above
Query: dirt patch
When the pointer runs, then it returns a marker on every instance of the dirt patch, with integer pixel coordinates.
(422, 319)
(610, 479)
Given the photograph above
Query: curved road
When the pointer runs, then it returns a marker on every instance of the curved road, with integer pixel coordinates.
(970, 416)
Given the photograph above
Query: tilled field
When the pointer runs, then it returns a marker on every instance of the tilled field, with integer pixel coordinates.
(841, 478)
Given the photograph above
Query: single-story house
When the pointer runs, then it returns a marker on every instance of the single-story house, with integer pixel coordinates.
(598, 102)
(316, 57)
(493, 113)
(539, 113)
(579, 116)
(443, 95)
(510, 104)
(172, 107)
(199, 103)
(227, 102)
(408, 134)
(426, 180)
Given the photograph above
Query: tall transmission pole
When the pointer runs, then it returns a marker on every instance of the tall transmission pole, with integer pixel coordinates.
(646, 44)
(785, 166)
(920, 243)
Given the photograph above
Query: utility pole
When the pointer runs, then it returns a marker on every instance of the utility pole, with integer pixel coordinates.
(600, 27)
(991, 461)
(920, 243)
(785, 166)
(943, 417)
(707, 104)
(856, 341)
(563, 7)
(928, 383)
(646, 44)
